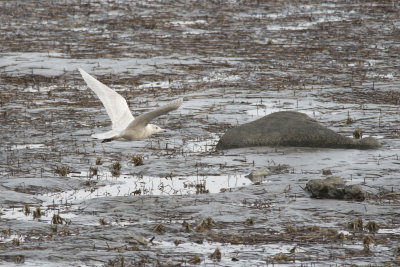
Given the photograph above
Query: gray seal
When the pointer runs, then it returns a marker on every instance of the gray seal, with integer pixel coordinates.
(289, 128)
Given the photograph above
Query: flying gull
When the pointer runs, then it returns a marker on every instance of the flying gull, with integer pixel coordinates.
(124, 126)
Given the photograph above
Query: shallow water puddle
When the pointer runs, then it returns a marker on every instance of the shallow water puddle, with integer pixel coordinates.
(8, 238)
(48, 210)
(27, 146)
(395, 231)
(146, 185)
(105, 185)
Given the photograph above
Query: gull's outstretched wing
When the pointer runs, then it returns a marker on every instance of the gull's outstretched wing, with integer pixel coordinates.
(116, 106)
(144, 119)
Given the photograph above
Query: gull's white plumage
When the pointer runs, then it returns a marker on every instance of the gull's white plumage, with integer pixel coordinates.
(124, 126)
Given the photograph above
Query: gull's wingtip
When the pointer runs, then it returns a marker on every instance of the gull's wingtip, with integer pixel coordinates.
(82, 71)
(179, 101)
(95, 136)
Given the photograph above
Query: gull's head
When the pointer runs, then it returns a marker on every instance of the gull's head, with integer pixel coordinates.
(155, 129)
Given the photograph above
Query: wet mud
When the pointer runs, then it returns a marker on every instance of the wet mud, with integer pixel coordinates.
(69, 200)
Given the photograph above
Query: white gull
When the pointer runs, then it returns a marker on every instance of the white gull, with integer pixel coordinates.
(124, 126)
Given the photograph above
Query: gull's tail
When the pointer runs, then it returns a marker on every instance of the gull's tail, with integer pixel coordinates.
(107, 135)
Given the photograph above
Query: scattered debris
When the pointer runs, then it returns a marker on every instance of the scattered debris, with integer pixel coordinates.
(279, 169)
(115, 169)
(186, 226)
(137, 160)
(57, 219)
(90, 182)
(356, 225)
(349, 120)
(367, 242)
(282, 258)
(357, 134)
(216, 255)
(160, 228)
(206, 224)
(93, 171)
(341, 236)
(15, 242)
(137, 192)
(249, 221)
(63, 170)
(26, 210)
(201, 188)
(326, 172)
(178, 242)
(99, 161)
(195, 260)
(372, 227)
(37, 213)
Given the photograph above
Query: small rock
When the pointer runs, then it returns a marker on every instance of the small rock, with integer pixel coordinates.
(257, 176)
(136, 240)
(333, 187)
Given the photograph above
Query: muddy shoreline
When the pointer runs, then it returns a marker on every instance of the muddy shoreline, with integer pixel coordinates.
(233, 62)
